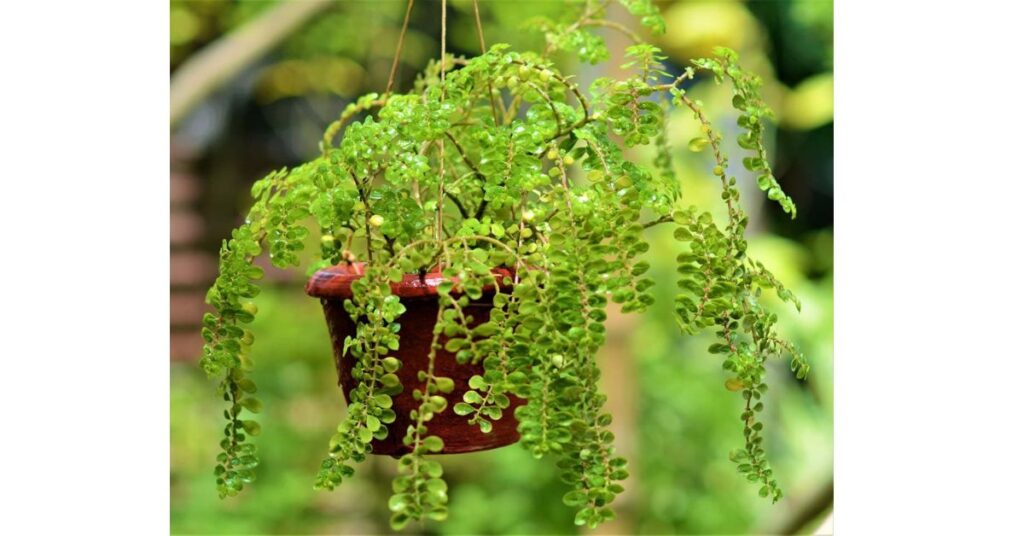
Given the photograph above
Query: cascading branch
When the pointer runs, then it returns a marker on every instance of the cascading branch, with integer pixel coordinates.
(505, 161)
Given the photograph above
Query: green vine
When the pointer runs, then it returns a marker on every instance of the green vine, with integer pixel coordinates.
(500, 160)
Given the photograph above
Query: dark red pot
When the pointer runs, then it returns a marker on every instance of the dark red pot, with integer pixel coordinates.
(419, 296)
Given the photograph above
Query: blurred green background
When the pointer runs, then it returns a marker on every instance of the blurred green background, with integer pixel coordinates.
(675, 421)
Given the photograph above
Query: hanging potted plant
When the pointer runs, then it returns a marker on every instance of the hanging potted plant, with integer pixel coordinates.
(473, 232)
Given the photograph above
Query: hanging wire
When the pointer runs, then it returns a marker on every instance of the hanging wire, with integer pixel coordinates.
(483, 50)
(440, 179)
(398, 49)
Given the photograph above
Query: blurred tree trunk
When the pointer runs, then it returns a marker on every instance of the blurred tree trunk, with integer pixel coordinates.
(804, 512)
(223, 59)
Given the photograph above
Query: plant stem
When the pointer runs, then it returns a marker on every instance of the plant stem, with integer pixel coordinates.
(615, 26)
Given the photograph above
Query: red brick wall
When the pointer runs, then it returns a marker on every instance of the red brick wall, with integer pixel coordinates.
(192, 269)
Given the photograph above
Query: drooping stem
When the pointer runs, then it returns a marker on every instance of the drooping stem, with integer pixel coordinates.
(716, 149)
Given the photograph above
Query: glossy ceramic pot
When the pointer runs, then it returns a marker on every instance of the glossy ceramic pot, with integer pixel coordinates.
(419, 296)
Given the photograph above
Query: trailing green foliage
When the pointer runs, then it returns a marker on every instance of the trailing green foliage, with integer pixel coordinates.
(505, 161)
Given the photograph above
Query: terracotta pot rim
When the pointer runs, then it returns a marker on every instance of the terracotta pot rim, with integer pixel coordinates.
(336, 282)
